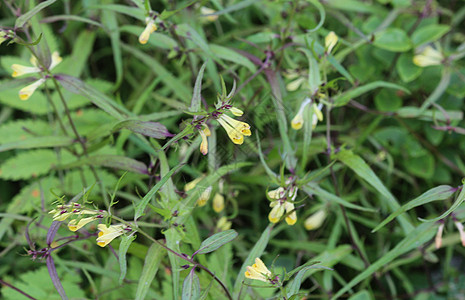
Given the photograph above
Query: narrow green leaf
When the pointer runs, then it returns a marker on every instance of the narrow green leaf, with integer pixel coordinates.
(77, 86)
(344, 98)
(313, 188)
(111, 161)
(458, 201)
(151, 264)
(441, 192)
(322, 13)
(123, 249)
(196, 96)
(256, 251)
(233, 56)
(24, 18)
(215, 241)
(415, 238)
(145, 201)
(39, 142)
(152, 129)
(122, 9)
(191, 286)
(111, 25)
(361, 168)
(57, 18)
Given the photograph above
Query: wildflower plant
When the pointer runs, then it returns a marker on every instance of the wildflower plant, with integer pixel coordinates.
(231, 149)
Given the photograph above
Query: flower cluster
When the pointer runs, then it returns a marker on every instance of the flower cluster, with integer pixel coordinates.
(85, 216)
(282, 201)
(19, 70)
(259, 271)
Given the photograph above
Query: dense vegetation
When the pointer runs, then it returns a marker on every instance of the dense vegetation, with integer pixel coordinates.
(232, 149)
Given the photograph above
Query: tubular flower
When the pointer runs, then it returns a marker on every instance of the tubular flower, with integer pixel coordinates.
(236, 130)
(204, 134)
(315, 220)
(108, 234)
(76, 224)
(236, 111)
(204, 197)
(223, 224)
(298, 120)
(428, 57)
(149, 28)
(438, 239)
(218, 203)
(258, 271)
(281, 205)
(208, 11)
(27, 91)
(317, 114)
(461, 231)
(330, 41)
(190, 185)
(19, 70)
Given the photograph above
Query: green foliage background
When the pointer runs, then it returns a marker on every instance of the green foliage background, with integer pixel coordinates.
(390, 148)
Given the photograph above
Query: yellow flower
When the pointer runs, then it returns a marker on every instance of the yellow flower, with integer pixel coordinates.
(27, 91)
(277, 212)
(295, 84)
(208, 11)
(204, 134)
(298, 121)
(461, 231)
(317, 114)
(438, 239)
(428, 57)
(190, 185)
(315, 220)
(277, 193)
(204, 197)
(108, 234)
(218, 202)
(223, 224)
(330, 41)
(149, 28)
(74, 225)
(236, 111)
(258, 271)
(236, 130)
(19, 70)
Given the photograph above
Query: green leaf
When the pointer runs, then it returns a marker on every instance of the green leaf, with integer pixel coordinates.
(231, 55)
(19, 130)
(344, 98)
(25, 17)
(111, 161)
(429, 33)
(356, 6)
(406, 69)
(152, 129)
(38, 142)
(421, 166)
(31, 164)
(126, 241)
(111, 25)
(122, 9)
(360, 167)
(256, 251)
(172, 82)
(215, 241)
(151, 264)
(415, 238)
(196, 96)
(362, 295)
(77, 86)
(441, 192)
(145, 201)
(392, 39)
(156, 39)
(458, 201)
(313, 188)
(191, 286)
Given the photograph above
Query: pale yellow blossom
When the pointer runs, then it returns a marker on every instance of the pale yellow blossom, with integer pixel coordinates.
(258, 271)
